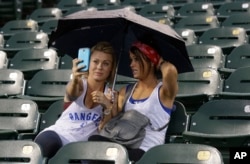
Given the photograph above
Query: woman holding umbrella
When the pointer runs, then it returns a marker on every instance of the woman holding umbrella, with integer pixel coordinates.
(149, 96)
(86, 98)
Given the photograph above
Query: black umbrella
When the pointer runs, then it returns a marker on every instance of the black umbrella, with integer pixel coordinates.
(121, 28)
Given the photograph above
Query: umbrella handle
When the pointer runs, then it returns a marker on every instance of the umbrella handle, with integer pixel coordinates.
(113, 84)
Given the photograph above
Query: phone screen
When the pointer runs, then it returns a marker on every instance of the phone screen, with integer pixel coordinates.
(84, 55)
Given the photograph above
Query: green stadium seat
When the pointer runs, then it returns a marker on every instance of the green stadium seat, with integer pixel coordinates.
(18, 117)
(24, 151)
(30, 61)
(11, 83)
(86, 151)
(182, 153)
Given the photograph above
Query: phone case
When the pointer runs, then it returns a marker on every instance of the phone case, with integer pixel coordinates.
(84, 55)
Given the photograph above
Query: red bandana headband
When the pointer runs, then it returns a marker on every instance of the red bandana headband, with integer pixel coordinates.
(153, 56)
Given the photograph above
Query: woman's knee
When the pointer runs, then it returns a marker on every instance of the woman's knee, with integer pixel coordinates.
(50, 143)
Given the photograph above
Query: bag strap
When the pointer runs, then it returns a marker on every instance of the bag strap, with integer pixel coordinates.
(128, 92)
(158, 129)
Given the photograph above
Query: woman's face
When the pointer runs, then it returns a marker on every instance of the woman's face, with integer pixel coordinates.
(140, 69)
(100, 65)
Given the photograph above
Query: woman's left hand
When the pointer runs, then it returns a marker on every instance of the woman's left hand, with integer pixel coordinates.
(101, 98)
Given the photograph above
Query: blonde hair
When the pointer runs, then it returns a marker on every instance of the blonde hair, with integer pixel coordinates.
(107, 48)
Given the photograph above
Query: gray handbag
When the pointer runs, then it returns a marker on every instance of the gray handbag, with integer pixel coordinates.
(128, 128)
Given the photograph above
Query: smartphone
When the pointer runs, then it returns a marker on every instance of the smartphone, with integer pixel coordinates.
(84, 55)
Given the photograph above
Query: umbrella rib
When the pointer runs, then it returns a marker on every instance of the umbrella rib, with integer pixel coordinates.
(119, 58)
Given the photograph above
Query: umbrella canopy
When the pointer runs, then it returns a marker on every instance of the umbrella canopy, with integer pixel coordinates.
(121, 28)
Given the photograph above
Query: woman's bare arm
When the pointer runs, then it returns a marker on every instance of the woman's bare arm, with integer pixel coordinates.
(169, 87)
(75, 87)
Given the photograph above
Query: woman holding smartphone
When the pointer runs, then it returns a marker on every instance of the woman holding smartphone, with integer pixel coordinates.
(87, 98)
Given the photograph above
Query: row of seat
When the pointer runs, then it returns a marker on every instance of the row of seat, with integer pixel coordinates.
(195, 88)
(16, 9)
(147, 9)
(205, 84)
(107, 152)
(27, 25)
(226, 123)
(65, 5)
(222, 123)
(21, 120)
(225, 37)
(191, 28)
(157, 10)
(45, 87)
(209, 6)
(198, 23)
(211, 56)
(19, 9)
(202, 23)
(31, 60)
(24, 40)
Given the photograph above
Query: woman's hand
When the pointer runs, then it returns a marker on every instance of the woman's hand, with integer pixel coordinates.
(76, 70)
(160, 63)
(74, 88)
(102, 99)
(111, 110)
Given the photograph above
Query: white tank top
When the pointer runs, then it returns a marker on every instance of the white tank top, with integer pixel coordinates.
(159, 116)
(78, 122)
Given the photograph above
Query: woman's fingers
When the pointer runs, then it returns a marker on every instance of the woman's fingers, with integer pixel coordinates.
(100, 98)
(76, 70)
